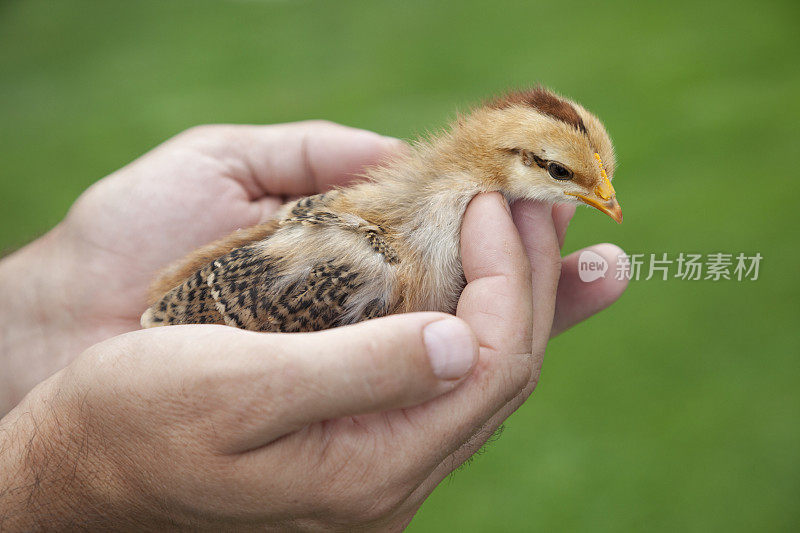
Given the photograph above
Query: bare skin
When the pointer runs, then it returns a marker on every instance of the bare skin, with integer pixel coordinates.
(202, 427)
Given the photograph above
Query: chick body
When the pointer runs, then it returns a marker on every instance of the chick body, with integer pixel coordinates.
(389, 244)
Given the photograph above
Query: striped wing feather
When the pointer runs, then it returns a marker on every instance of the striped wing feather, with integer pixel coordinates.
(311, 271)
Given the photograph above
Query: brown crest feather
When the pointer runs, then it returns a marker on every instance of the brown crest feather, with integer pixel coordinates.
(543, 101)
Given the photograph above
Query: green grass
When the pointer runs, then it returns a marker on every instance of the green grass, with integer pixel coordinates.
(679, 408)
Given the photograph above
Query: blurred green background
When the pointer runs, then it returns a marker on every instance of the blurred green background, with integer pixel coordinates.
(678, 408)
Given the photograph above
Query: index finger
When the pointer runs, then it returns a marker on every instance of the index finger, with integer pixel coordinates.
(497, 271)
(497, 304)
(538, 235)
(501, 381)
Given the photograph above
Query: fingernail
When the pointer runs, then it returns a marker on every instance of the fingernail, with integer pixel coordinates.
(450, 346)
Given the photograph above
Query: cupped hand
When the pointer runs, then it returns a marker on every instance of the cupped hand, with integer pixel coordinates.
(193, 189)
(209, 427)
(86, 280)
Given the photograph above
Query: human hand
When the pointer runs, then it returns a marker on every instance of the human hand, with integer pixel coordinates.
(200, 427)
(86, 280)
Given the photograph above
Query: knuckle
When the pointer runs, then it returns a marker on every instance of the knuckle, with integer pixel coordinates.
(518, 377)
(534, 370)
(112, 357)
(319, 123)
(546, 255)
(556, 262)
(550, 258)
(522, 374)
(203, 133)
(381, 386)
(198, 131)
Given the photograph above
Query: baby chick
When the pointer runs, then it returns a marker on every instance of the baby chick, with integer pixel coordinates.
(390, 244)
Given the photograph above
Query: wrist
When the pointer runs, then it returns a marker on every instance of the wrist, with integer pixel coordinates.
(32, 281)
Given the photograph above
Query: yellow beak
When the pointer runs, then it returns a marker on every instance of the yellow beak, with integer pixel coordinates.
(604, 199)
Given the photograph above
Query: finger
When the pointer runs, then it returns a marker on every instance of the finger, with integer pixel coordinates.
(562, 215)
(389, 363)
(538, 234)
(578, 300)
(292, 159)
(496, 270)
(496, 303)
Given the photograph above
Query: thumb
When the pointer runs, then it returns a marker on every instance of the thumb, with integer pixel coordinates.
(388, 363)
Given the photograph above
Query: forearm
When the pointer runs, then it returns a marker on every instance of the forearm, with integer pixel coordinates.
(35, 466)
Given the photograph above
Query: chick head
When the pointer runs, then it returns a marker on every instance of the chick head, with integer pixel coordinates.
(537, 145)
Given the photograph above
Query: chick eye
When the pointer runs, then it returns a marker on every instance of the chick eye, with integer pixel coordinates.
(559, 171)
